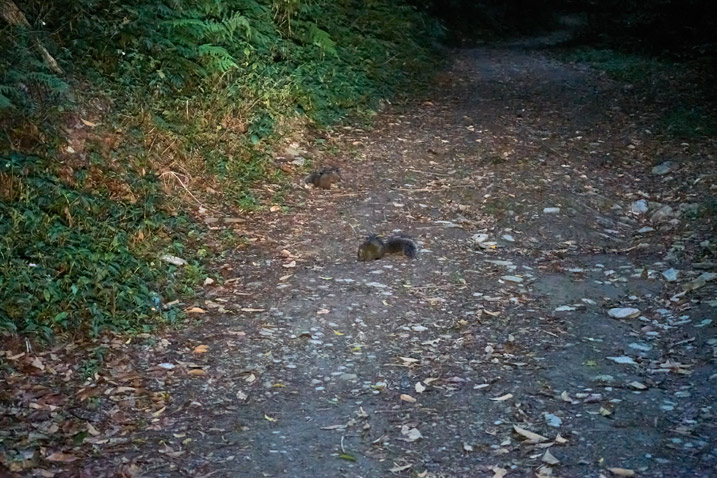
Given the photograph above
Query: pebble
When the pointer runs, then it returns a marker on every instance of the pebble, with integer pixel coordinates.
(639, 207)
(623, 313)
(663, 168)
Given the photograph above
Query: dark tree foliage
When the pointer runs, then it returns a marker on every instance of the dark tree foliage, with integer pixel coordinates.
(676, 27)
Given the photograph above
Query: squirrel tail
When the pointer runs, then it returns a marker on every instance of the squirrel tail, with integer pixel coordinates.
(403, 244)
(313, 178)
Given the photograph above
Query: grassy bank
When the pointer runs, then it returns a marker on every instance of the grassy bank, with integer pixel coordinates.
(113, 112)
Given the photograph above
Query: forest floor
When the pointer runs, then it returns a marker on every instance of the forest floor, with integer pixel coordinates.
(545, 204)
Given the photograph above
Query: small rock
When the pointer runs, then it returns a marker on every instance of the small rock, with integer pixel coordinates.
(663, 168)
(623, 359)
(670, 275)
(553, 420)
(515, 279)
(640, 347)
(177, 261)
(565, 308)
(551, 210)
(623, 313)
(639, 207)
(662, 214)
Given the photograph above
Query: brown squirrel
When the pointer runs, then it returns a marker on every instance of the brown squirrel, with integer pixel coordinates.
(374, 247)
(324, 178)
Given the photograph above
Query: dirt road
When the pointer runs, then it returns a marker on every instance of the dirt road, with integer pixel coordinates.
(493, 353)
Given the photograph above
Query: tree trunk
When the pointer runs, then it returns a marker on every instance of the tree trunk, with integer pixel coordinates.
(14, 16)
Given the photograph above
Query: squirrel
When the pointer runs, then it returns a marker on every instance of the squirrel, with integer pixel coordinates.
(324, 178)
(375, 248)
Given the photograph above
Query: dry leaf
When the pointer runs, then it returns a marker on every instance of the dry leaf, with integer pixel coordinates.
(566, 398)
(560, 440)
(290, 265)
(409, 359)
(200, 349)
(499, 472)
(502, 398)
(195, 310)
(420, 388)
(89, 123)
(396, 469)
(532, 437)
(61, 457)
(197, 372)
(549, 458)
(248, 309)
(37, 363)
(407, 398)
(622, 471)
(275, 208)
(411, 434)
(92, 430)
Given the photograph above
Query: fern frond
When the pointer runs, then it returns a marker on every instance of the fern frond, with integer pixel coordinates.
(322, 39)
(220, 59)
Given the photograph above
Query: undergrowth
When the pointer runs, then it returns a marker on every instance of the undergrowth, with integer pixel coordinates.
(159, 106)
(627, 67)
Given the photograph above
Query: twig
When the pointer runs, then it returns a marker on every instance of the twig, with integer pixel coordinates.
(176, 176)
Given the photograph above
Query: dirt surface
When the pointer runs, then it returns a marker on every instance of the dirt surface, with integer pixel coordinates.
(308, 363)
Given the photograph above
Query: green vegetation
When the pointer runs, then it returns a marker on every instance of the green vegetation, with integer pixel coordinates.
(690, 123)
(118, 116)
(619, 66)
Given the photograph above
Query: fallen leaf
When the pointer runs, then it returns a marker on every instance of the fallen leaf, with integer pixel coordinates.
(407, 398)
(566, 398)
(290, 265)
(532, 437)
(89, 123)
(411, 434)
(409, 359)
(248, 309)
(507, 396)
(195, 310)
(61, 457)
(622, 471)
(200, 349)
(275, 208)
(499, 472)
(549, 458)
(420, 388)
(269, 418)
(397, 469)
(197, 372)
